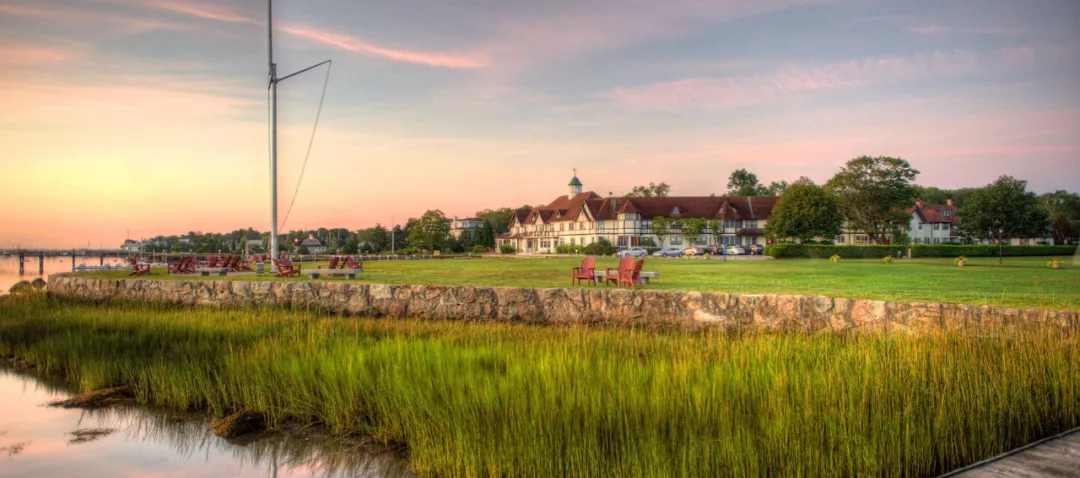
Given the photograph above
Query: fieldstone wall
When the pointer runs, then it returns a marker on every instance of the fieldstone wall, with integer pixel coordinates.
(567, 306)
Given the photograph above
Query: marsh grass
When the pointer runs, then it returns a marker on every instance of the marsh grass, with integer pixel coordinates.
(507, 399)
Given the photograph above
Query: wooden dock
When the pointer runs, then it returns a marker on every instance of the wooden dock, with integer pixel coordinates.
(1057, 456)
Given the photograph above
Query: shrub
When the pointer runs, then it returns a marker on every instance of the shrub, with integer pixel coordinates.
(886, 260)
(602, 247)
(478, 249)
(1055, 262)
(835, 258)
(823, 251)
(507, 249)
(960, 259)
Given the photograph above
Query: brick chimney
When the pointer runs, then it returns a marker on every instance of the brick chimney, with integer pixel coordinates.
(918, 203)
(949, 202)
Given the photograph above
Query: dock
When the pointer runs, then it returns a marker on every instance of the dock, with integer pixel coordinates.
(1054, 457)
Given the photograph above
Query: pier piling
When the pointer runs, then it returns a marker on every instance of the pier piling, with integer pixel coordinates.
(22, 265)
(41, 264)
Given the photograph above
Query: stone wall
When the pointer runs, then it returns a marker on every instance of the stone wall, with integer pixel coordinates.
(568, 306)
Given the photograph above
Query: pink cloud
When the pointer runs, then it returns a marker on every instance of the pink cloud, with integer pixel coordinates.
(341, 41)
(27, 55)
(209, 12)
(727, 92)
(356, 45)
(940, 30)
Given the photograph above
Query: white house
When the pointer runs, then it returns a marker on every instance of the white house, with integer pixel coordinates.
(582, 218)
(459, 226)
(313, 245)
(932, 223)
(131, 246)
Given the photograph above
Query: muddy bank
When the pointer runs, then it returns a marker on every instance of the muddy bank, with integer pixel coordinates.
(98, 398)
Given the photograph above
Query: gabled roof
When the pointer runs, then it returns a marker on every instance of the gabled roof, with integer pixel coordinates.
(932, 213)
(704, 207)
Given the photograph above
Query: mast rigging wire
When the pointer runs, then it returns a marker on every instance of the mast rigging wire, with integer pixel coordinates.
(311, 141)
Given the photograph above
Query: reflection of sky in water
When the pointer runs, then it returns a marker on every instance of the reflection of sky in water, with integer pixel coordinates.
(36, 440)
(9, 268)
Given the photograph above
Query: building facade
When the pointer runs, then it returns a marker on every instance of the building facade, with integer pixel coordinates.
(582, 218)
(932, 223)
(468, 224)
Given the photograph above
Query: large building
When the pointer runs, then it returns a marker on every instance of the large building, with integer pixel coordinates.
(582, 218)
(462, 225)
(932, 223)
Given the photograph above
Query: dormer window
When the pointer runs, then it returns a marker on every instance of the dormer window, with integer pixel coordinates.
(675, 211)
(946, 213)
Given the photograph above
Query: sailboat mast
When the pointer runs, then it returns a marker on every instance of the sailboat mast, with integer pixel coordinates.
(273, 129)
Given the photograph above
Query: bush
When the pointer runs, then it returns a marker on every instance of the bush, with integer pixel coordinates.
(835, 258)
(822, 251)
(478, 249)
(408, 251)
(602, 247)
(507, 249)
(886, 260)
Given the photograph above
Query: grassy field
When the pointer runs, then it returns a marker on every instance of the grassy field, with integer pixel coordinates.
(1019, 282)
(498, 399)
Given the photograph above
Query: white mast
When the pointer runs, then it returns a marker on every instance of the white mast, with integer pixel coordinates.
(273, 123)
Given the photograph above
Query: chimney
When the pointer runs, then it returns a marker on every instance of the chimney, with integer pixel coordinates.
(918, 203)
(613, 208)
(949, 202)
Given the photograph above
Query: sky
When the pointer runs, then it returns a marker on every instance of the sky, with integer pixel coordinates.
(134, 118)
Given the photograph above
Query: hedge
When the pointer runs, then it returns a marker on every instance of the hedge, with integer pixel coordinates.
(816, 251)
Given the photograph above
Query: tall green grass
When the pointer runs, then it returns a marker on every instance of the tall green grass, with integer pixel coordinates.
(503, 399)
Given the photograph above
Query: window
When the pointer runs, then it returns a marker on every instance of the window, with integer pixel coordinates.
(920, 226)
(676, 241)
(839, 239)
(945, 226)
(937, 226)
(946, 213)
(731, 224)
(675, 210)
(571, 226)
(700, 241)
(573, 241)
(600, 225)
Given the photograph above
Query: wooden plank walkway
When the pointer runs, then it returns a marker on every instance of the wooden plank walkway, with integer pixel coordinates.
(1058, 456)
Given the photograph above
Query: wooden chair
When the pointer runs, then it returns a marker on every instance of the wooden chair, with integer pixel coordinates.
(631, 277)
(626, 265)
(587, 271)
(350, 263)
(179, 267)
(334, 262)
(212, 261)
(138, 269)
(286, 268)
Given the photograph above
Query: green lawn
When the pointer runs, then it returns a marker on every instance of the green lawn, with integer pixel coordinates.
(1019, 282)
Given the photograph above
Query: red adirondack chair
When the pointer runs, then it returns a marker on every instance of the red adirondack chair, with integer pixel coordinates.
(587, 271)
(625, 264)
(350, 263)
(286, 268)
(178, 266)
(138, 269)
(239, 264)
(630, 277)
(212, 261)
(334, 262)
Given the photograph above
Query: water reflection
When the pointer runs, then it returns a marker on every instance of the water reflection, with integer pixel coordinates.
(36, 440)
(9, 267)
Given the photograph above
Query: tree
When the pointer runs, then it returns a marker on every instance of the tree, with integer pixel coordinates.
(1063, 208)
(1002, 210)
(430, 230)
(351, 246)
(716, 230)
(744, 183)
(661, 228)
(873, 193)
(777, 187)
(804, 212)
(932, 195)
(692, 229)
(652, 190)
(486, 236)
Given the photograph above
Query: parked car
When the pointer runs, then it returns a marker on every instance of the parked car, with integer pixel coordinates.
(669, 252)
(633, 252)
(734, 250)
(699, 250)
(757, 249)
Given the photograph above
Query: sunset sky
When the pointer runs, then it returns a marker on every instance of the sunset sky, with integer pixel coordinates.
(150, 116)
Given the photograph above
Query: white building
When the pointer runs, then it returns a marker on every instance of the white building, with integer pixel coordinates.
(582, 218)
(459, 226)
(932, 223)
(313, 245)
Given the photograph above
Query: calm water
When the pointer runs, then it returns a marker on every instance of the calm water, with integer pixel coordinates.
(36, 440)
(9, 268)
